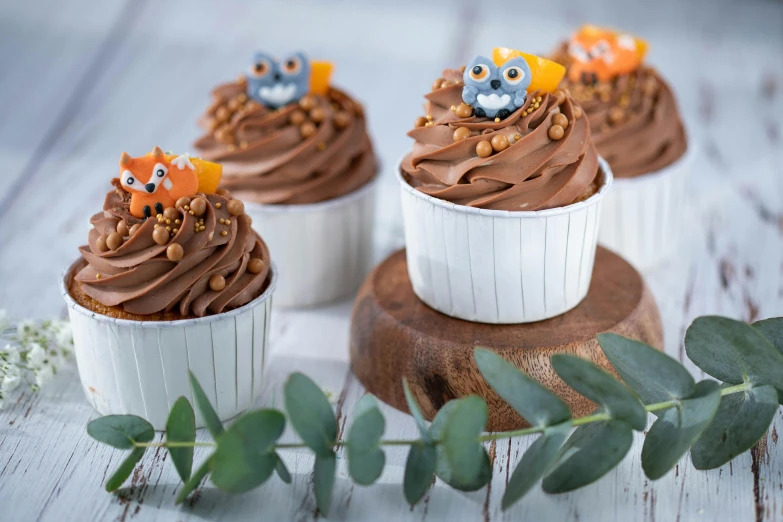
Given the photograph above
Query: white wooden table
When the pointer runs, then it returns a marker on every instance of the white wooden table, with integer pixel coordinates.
(81, 81)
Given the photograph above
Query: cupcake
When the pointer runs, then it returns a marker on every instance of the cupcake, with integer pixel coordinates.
(296, 150)
(638, 130)
(501, 193)
(172, 279)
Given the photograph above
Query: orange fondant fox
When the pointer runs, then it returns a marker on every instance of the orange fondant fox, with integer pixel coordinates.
(156, 181)
(600, 54)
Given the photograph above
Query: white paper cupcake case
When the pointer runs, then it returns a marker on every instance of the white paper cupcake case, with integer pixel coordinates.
(326, 248)
(141, 367)
(642, 216)
(494, 266)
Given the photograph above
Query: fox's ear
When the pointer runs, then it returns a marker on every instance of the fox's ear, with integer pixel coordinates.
(157, 153)
(125, 159)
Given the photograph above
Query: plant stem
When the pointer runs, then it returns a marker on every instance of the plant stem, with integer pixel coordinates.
(587, 419)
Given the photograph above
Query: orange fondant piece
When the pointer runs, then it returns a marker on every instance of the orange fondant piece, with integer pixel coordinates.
(604, 53)
(545, 74)
(320, 76)
(177, 182)
(207, 172)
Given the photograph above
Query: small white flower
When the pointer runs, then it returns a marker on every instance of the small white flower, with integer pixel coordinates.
(11, 379)
(26, 330)
(10, 354)
(37, 356)
(62, 333)
(43, 375)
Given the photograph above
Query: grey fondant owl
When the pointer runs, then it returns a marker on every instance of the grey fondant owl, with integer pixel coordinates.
(276, 83)
(495, 91)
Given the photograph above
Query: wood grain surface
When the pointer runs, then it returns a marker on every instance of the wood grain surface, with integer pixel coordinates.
(394, 336)
(83, 80)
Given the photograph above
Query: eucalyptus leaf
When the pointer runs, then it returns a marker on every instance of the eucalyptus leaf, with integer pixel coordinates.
(125, 469)
(773, 331)
(419, 471)
(310, 413)
(195, 479)
(590, 452)
(535, 462)
(459, 439)
(209, 414)
(365, 458)
(533, 401)
(245, 457)
(181, 427)
(653, 375)
(282, 470)
(120, 431)
(678, 428)
(601, 388)
(325, 466)
(443, 467)
(733, 352)
(413, 407)
(741, 420)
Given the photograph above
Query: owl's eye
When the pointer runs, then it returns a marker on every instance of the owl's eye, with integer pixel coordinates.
(259, 69)
(292, 65)
(514, 75)
(128, 180)
(479, 73)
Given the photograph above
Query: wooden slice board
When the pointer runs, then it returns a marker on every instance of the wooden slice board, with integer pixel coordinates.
(395, 335)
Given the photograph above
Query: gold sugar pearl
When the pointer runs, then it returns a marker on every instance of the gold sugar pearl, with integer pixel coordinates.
(224, 233)
(317, 115)
(616, 115)
(198, 206)
(421, 121)
(98, 276)
(577, 112)
(160, 235)
(255, 265)
(307, 129)
(101, 245)
(453, 108)
(560, 119)
(183, 203)
(483, 149)
(342, 119)
(322, 146)
(461, 133)
(171, 213)
(307, 103)
(235, 207)
(217, 282)
(175, 252)
(464, 110)
(297, 117)
(122, 228)
(499, 142)
(177, 222)
(218, 205)
(556, 132)
(437, 84)
(429, 117)
(134, 229)
(114, 241)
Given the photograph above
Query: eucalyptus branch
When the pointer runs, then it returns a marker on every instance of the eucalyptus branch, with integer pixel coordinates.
(716, 421)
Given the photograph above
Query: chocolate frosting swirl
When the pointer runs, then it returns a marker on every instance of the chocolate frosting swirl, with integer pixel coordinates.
(534, 172)
(314, 150)
(634, 118)
(139, 277)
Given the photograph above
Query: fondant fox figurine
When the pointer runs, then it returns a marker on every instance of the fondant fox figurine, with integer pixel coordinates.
(156, 181)
(600, 54)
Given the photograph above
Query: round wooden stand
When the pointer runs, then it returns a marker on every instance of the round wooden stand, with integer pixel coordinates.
(395, 335)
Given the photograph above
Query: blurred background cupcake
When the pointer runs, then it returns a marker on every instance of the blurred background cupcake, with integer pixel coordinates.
(637, 128)
(501, 193)
(296, 150)
(172, 279)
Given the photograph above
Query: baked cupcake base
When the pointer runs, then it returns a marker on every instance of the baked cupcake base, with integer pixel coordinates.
(496, 266)
(326, 248)
(141, 367)
(642, 216)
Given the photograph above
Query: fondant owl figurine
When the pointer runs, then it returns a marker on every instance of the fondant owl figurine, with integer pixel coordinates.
(495, 92)
(277, 83)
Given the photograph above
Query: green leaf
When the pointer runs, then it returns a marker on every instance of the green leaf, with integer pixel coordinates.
(324, 480)
(533, 401)
(535, 462)
(181, 427)
(601, 388)
(245, 457)
(652, 374)
(413, 407)
(310, 413)
(588, 454)
(194, 480)
(125, 469)
(365, 458)
(741, 420)
(120, 431)
(209, 414)
(733, 352)
(773, 331)
(678, 428)
(443, 466)
(281, 470)
(419, 471)
(461, 448)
